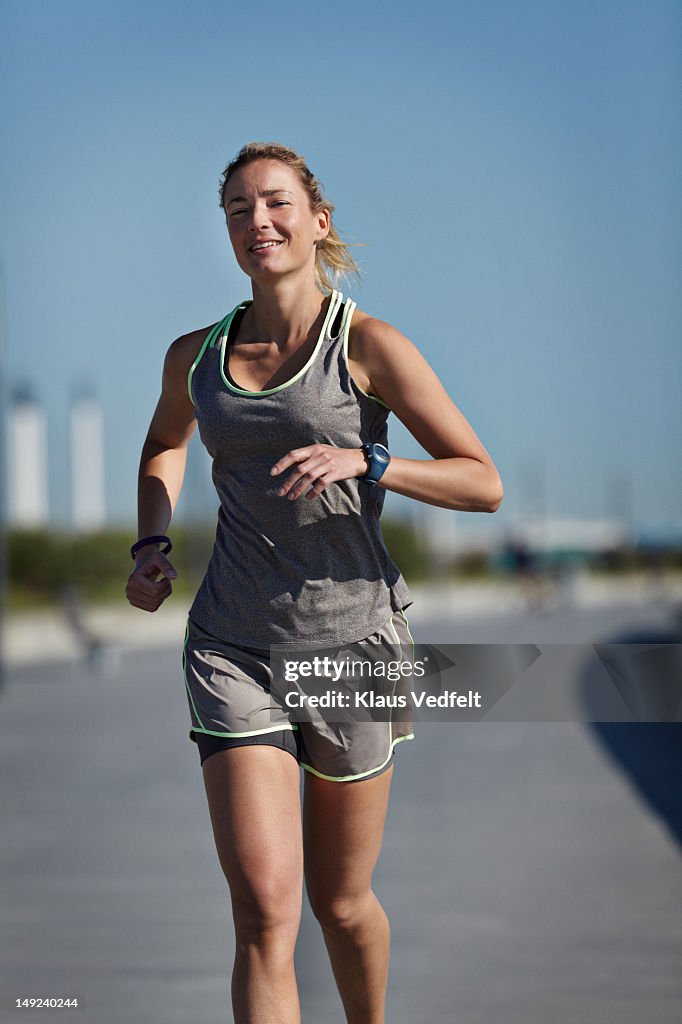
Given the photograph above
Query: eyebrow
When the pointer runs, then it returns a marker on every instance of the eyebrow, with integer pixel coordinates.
(267, 192)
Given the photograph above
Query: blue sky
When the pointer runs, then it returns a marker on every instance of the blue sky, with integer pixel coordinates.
(513, 169)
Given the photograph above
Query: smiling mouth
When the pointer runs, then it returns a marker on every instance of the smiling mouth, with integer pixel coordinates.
(260, 246)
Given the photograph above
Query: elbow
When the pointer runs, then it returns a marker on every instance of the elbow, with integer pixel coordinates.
(493, 507)
(485, 495)
(495, 496)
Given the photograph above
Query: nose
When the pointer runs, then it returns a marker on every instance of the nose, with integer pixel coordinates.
(259, 217)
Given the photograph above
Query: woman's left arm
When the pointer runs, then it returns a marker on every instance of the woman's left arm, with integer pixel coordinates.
(460, 474)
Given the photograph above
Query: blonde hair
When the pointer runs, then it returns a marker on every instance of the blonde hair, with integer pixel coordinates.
(332, 258)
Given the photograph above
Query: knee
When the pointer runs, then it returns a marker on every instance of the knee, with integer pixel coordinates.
(265, 913)
(341, 913)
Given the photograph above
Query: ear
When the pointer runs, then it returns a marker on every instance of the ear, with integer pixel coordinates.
(323, 224)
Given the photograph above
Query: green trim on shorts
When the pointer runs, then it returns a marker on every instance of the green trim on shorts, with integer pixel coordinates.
(292, 727)
(362, 775)
(401, 611)
(393, 742)
(211, 732)
(239, 735)
(184, 675)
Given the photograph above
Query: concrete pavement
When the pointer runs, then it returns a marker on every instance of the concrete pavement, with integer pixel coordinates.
(527, 873)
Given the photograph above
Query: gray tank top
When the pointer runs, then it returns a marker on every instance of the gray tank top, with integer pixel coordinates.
(298, 573)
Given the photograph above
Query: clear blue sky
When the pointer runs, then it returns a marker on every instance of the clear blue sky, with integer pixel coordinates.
(513, 168)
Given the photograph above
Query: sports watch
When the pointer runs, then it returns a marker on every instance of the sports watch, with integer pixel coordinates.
(379, 458)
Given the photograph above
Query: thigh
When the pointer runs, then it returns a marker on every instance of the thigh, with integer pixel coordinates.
(343, 828)
(254, 802)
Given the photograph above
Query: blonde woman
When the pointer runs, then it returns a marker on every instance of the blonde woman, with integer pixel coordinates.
(291, 392)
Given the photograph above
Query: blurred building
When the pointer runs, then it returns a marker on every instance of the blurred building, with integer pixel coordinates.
(579, 536)
(561, 541)
(561, 538)
(27, 485)
(88, 507)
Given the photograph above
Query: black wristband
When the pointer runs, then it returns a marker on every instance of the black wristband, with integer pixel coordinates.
(151, 540)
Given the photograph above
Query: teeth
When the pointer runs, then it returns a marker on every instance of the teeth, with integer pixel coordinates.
(263, 245)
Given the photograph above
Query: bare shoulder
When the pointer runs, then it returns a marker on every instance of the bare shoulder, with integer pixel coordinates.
(174, 418)
(368, 334)
(378, 351)
(184, 350)
(402, 378)
(180, 357)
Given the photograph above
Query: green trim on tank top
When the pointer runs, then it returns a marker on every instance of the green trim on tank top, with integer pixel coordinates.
(209, 342)
(345, 330)
(335, 300)
(220, 332)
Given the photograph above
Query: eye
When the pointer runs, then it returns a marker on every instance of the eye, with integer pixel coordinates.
(280, 202)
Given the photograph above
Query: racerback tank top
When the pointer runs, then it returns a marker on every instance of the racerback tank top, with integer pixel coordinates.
(296, 573)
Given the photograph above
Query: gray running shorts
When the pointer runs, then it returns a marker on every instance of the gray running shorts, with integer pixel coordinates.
(230, 704)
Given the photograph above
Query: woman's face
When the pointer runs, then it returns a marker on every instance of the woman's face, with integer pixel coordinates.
(272, 228)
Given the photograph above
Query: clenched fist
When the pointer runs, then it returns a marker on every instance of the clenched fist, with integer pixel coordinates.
(149, 583)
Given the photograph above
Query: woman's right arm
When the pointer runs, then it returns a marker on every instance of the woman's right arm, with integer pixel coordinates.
(162, 470)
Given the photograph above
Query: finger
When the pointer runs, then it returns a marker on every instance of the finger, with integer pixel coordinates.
(314, 472)
(308, 471)
(291, 458)
(144, 603)
(303, 486)
(149, 602)
(151, 590)
(157, 563)
(143, 585)
(316, 490)
(297, 485)
(321, 483)
(167, 568)
(146, 584)
(164, 588)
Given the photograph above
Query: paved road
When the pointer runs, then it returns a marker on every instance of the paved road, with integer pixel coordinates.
(531, 871)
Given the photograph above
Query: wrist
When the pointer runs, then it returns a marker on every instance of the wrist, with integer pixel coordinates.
(145, 553)
(378, 458)
(363, 462)
(154, 542)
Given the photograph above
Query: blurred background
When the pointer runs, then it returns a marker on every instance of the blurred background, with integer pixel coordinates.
(510, 172)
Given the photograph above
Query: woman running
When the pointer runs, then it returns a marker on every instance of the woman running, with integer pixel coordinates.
(291, 392)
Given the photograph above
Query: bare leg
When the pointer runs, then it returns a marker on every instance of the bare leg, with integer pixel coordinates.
(254, 803)
(343, 829)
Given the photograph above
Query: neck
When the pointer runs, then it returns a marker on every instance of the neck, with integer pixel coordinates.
(285, 311)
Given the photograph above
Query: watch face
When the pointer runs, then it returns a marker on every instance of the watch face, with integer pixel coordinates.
(379, 459)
